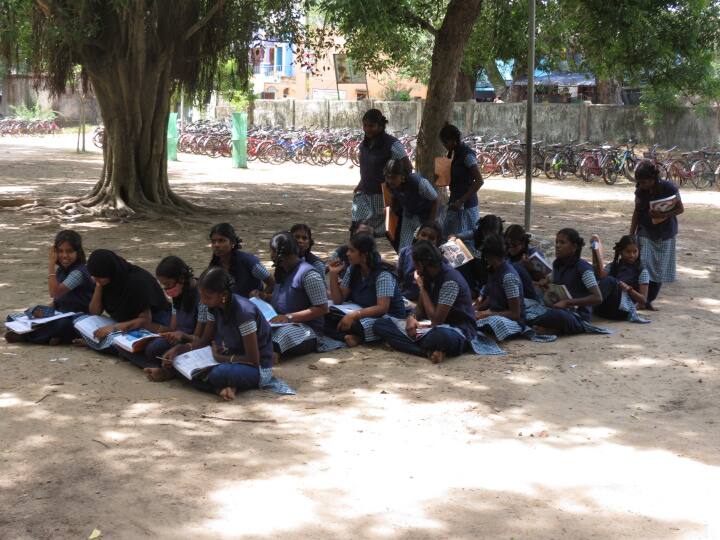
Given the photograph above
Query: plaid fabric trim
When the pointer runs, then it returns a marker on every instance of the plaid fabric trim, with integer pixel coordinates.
(384, 285)
(502, 327)
(511, 285)
(426, 189)
(658, 257)
(204, 314)
(319, 266)
(367, 323)
(287, 337)
(370, 208)
(314, 286)
(589, 280)
(457, 223)
(410, 225)
(260, 272)
(470, 160)
(74, 279)
(247, 328)
(644, 278)
(397, 150)
(345, 281)
(448, 293)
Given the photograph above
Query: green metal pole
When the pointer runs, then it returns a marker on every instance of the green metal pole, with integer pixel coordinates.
(172, 137)
(239, 140)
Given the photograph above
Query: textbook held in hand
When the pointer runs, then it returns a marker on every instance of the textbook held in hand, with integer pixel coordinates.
(267, 311)
(555, 293)
(456, 252)
(193, 363)
(664, 205)
(538, 264)
(24, 324)
(345, 307)
(131, 341)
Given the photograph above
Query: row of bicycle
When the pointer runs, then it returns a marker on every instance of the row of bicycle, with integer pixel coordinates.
(12, 126)
(590, 162)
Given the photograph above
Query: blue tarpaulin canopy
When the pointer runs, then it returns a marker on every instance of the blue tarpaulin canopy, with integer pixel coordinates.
(558, 78)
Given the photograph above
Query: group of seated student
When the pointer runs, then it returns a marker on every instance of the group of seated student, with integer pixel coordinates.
(422, 306)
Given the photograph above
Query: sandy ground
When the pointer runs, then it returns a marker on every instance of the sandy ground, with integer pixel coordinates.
(589, 437)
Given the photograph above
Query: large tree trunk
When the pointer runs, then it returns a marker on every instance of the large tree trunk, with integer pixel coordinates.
(609, 92)
(496, 79)
(464, 87)
(517, 92)
(446, 57)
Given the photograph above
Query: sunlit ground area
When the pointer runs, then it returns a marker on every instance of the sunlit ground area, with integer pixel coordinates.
(589, 437)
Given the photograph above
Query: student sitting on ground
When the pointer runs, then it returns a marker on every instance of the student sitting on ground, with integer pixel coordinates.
(340, 253)
(368, 282)
(191, 325)
(70, 287)
(517, 242)
(299, 297)
(429, 231)
(623, 282)
(444, 299)
(305, 242)
(475, 272)
(247, 271)
(570, 316)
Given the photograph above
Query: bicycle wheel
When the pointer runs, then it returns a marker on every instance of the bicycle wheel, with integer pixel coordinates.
(548, 167)
(276, 154)
(355, 155)
(340, 155)
(558, 166)
(322, 154)
(701, 174)
(629, 168)
(589, 168)
(610, 171)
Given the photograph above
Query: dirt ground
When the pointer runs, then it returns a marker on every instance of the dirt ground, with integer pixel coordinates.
(589, 437)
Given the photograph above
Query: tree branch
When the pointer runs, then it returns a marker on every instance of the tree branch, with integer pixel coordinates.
(202, 22)
(419, 21)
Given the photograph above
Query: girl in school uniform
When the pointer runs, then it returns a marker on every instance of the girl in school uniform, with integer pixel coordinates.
(242, 344)
(305, 242)
(191, 326)
(519, 249)
(376, 149)
(444, 299)
(465, 181)
(368, 282)
(413, 201)
(247, 271)
(502, 307)
(569, 269)
(340, 253)
(429, 231)
(475, 272)
(299, 297)
(70, 287)
(656, 231)
(129, 294)
(623, 282)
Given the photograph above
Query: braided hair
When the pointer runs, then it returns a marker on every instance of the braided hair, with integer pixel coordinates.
(173, 267)
(302, 227)
(516, 233)
(625, 241)
(574, 238)
(366, 245)
(216, 280)
(284, 245)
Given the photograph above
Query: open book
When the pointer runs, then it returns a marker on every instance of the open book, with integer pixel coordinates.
(23, 325)
(456, 252)
(664, 205)
(538, 264)
(192, 363)
(267, 311)
(423, 327)
(555, 293)
(132, 341)
(345, 307)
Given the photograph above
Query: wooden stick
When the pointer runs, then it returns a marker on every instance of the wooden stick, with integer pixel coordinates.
(253, 420)
(100, 442)
(42, 398)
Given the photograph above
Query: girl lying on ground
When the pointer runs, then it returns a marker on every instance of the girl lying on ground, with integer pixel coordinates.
(369, 282)
(70, 287)
(444, 299)
(247, 271)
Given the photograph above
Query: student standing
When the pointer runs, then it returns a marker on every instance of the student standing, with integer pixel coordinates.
(465, 181)
(376, 149)
(444, 299)
(656, 231)
(413, 201)
(247, 271)
(70, 287)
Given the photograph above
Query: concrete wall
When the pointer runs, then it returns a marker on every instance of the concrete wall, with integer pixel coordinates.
(554, 122)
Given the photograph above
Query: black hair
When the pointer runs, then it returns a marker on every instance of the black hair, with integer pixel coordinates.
(302, 227)
(432, 224)
(486, 226)
(216, 280)
(366, 245)
(574, 237)
(450, 132)
(173, 267)
(397, 167)
(427, 253)
(355, 225)
(228, 231)
(75, 241)
(625, 241)
(375, 116)
(493, 246)
(516, 233)
(646, 170)
(284, 244)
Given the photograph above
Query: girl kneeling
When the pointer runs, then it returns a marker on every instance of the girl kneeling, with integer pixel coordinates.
(444, 299)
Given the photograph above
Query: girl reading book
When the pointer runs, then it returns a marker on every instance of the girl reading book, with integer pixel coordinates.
(371, 284)
(299, 297)
(656, 226)
(429, 231)
(444, 299)
(70, 287)
(305, 242)
(247, 271)
(570, 315)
